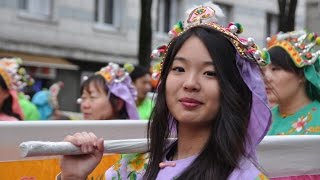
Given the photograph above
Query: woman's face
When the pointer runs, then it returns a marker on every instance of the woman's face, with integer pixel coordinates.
(95, 104)
(281, 85)
(192, 88)
(143, 86)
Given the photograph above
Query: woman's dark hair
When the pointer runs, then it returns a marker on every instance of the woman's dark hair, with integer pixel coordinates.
(226, 144)
(138, 72)
(280, 58)
(100, 83)
(7, 103)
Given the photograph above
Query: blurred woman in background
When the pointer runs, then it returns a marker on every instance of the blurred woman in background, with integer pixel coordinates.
(293, 82)
(141, 79)
(109, 94)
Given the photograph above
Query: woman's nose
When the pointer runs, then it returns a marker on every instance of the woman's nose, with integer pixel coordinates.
(267, 75)
(191, 83)
(85, 104)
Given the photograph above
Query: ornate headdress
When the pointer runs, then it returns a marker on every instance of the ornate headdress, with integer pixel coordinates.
(113, 73)
(14, 76)
(302, 46)
(248, 59)
(207, 16)
(304, 49)
(119, 83)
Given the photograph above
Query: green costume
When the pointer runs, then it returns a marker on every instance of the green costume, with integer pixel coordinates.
(30, 111)
(145, 109)
(305, 121)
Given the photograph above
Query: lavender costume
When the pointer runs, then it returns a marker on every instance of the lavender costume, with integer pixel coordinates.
(127, 92)
(133, 166)
(259, 123)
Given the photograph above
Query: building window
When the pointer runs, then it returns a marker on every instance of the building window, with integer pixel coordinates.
(272, 24)
(166, 15)
(41, 9)
(107, 12)
(227, 11)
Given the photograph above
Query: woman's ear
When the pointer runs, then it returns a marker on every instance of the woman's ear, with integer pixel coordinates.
(302, 79)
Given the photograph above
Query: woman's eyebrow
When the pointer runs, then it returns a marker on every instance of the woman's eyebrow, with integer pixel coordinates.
(179, 58)
(208, 63)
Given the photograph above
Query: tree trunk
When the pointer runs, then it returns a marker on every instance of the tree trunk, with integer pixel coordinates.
(282, 15)
(287, 10)
(145, 35)
(292, 14)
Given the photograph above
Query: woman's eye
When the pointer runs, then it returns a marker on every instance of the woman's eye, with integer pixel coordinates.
(93, 97)
(178, 69)
(275, 68)
(210, 73)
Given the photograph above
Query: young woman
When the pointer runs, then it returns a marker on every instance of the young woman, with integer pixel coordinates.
(210, 95)
(12, 78)
(141, 79)
(293, 82)
(108, 94)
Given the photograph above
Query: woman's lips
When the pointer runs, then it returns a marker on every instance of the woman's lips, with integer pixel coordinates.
(86, 115)
(190, 103)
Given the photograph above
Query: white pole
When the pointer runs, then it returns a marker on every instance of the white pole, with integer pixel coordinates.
(41, 148)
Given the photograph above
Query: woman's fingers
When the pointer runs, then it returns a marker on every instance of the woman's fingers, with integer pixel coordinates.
(94, 138)
(82, 141)
(100, 145)
(72, 139)
(89, 141)
(86, 141)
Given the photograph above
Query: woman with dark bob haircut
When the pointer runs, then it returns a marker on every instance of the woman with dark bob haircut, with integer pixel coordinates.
(210, 97)
(293, 82)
